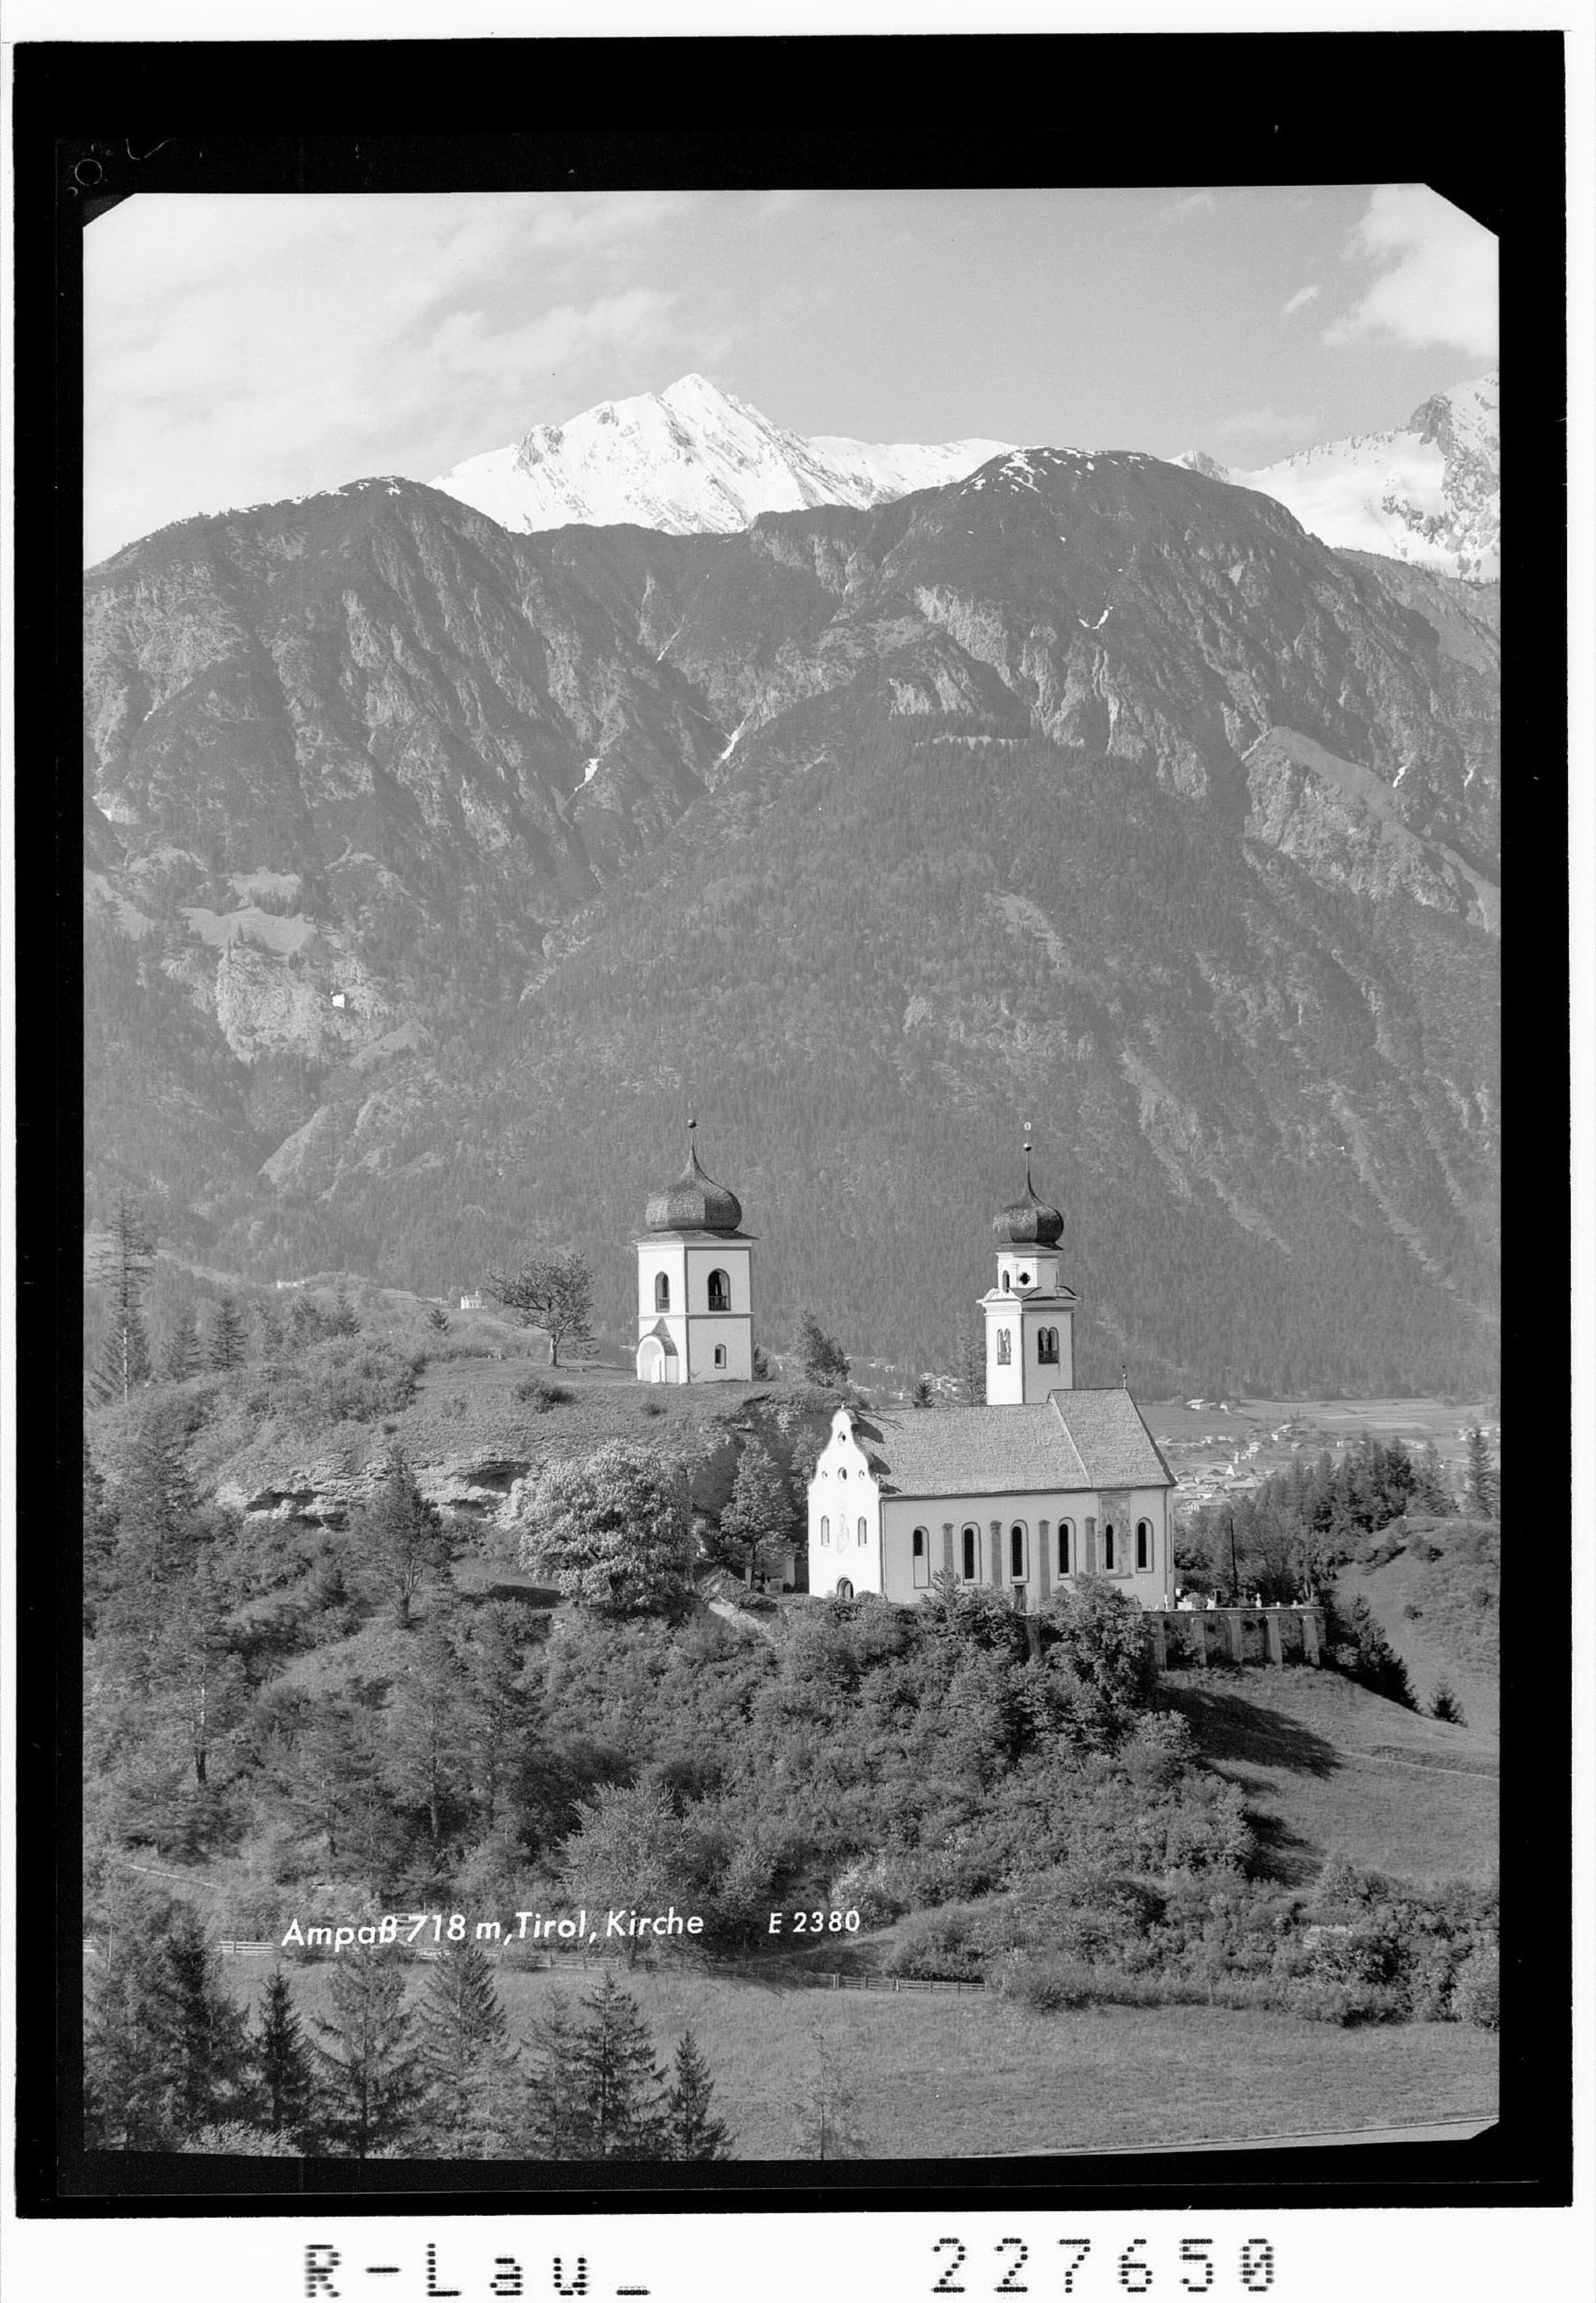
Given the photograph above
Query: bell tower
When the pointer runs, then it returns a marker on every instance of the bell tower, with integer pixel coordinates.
(695, 1282)
(1030, 1314)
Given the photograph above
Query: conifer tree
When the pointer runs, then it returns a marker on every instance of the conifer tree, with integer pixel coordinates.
(120, 1267)
(180, 1356)
(399, 1539)
(344, 1319)
(822, 1358)
(282, 2061)
(972, 1365)
(691, 2130)
(126, 2098)
(467, 2061)
(194, 2030)
(758, 1512)
(826, 2126)
(158, 1526)
(99, 1539)
(1444, 1705)
(617, 2087)
(553, 2119)
(1482, 1487)
(368, 2085)
(228, 1346)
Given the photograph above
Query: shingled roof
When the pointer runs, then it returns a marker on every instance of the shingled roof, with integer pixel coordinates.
(1074, 1439)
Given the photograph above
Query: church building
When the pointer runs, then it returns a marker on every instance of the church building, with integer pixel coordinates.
(1044, 1483)
(695, 1283)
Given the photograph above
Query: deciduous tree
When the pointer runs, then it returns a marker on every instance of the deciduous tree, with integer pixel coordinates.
(551, 1292)
(615, 1529)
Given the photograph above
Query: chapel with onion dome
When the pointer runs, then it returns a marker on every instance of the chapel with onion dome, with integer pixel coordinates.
(1030, 1314)
(695, 1282)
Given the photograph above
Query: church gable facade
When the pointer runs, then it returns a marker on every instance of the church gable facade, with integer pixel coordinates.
(1016, 1500)
(1044, 1483)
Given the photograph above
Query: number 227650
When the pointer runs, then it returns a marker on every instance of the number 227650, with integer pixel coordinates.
(1199, 2271)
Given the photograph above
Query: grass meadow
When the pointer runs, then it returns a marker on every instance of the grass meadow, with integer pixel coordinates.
(941, 2076)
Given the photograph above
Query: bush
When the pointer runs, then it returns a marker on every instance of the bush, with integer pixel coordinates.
(1476, 1995)
(942, 1946)
(537, 1392)
(654, 1407)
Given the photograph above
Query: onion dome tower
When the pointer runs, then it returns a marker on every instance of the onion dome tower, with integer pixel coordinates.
(1030, 1314)
(695, 1282)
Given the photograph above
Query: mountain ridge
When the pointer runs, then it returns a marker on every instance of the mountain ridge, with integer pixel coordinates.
(1084, 785)
(1428, 493)
(691, 459)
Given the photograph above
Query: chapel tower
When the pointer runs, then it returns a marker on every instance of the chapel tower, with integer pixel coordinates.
(695, 1283)
(1030, 1314)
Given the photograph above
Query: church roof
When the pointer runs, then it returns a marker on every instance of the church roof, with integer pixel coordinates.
(1071, 1440)
(695, 1202)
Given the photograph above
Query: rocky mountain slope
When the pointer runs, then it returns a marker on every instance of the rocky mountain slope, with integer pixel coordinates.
(435, 869)
(689, 460)
(1429, 493)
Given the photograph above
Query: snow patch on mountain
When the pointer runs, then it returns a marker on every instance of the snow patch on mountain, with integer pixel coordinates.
(1430, 492)
(691, 460)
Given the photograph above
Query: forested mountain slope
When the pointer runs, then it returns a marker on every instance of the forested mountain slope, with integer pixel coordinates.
(434, 871)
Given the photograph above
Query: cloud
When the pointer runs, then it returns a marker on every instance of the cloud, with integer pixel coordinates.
(1187, 204)
(1437, 274)
(241, 349)
(1303, 296)
(1267, 423)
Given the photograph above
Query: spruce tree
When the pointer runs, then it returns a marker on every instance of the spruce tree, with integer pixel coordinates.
(1483, 1486)
(1444, 1705)
(127, 2101)
(282, 2061)
(758, 1512)
(553, 2118)
(228, 1344)
(195, 2029)
(618, 2088)
(691, 2130)
(120, 1267)
(822, 1358)
(179, 1357)
(99, 1539)
(466, 2060)
(399, 1539)
(369, 2083)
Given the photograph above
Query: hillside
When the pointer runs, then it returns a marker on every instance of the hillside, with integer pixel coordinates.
(435, 870)
(1326, 1768)
(1435, 1589)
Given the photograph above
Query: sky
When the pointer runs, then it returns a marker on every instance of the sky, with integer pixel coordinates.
(243, 348)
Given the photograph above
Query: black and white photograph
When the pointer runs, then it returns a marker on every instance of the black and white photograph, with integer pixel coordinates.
(792, 1437)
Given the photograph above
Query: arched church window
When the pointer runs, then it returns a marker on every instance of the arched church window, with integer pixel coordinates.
(1016, 1551)
(719, 1355)
(920, 1546)
(1003, 1348)
(1047, 1346)
(844, 1588)
(1143, 1543)
(863, 1538)
(720, 1291)
(1005, 1283)
(1108, 1545)
(971, 1539)
(662, 1291)
(825, 1529)
(1065, 1544)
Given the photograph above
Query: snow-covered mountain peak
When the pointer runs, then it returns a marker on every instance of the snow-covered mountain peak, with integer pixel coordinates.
(1430, 492)
(691, 460)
